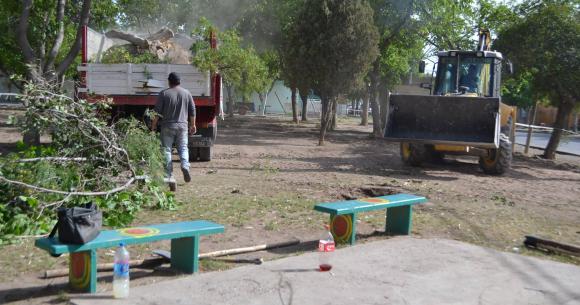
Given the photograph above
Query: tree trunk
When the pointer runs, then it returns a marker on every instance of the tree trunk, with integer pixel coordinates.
(531, 121)
(230, 102)
(262, 102)
(364, 114)
(374, 96)
(304, 98)
(324, 118)
(384, 100)
(564, 111)
(333, 115)
(294, 106)
(31, 138)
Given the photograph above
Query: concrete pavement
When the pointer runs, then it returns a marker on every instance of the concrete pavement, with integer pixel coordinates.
(400, 270)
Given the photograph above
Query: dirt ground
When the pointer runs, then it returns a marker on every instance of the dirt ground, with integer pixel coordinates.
(268, 173)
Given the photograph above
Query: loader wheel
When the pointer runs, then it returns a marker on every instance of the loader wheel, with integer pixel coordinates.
(498, 160)
(412, 154)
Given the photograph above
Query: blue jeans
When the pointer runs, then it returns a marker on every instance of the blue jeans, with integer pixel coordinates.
(170, 136)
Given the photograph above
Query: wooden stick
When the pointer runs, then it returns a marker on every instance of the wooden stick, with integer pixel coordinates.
(158, 261)
(550, 245)
(249, 249)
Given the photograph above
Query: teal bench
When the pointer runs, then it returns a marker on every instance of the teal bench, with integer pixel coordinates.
(343, 214)
(184, 238)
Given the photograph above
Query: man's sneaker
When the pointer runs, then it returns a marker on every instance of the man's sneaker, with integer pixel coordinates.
(186, 175)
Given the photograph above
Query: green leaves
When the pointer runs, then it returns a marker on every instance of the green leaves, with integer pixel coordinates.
(544, 45)
(240, 66)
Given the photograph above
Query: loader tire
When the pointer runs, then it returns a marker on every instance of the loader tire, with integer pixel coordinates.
(413, 154)
(499, 160)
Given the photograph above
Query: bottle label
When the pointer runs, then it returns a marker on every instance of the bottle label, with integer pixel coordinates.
(121, 269)
(325, 246)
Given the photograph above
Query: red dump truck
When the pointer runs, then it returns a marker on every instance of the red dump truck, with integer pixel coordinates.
(133, 88)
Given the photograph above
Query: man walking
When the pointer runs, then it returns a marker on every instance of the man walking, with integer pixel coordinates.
(176, 109)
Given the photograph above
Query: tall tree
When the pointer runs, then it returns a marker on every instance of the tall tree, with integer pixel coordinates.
(336, 41)
(42, 38)
(545, 43)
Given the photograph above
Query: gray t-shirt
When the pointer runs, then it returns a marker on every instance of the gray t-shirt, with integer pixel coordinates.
(174, 106)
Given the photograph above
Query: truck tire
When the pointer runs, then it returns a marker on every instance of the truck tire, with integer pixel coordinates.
(205, 154)
(498, 160)
(193, 154)
(413, 154)
(434, 156)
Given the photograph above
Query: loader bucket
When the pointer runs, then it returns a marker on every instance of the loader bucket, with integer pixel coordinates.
(451, 120)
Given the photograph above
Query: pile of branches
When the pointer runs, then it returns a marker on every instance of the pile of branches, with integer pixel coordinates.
(119, 166)
(159, 47)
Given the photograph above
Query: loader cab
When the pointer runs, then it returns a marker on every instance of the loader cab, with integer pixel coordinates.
(468, 73)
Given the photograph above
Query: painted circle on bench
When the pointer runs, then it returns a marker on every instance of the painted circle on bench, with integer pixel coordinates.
(341, 227)
(139, 232)
(373, 200)
(80, 270)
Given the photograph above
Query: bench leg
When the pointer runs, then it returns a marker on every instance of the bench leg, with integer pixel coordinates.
(82, 272)
(399, 220)
(185, 254)
(343, 228)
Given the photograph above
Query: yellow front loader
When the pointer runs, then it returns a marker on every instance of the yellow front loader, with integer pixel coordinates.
(463, 115)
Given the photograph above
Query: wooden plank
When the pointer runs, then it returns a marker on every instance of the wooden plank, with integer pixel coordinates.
(137, 235)
(369, 204)
(551, 245)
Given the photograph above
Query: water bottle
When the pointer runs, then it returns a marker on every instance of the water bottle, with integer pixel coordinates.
(325, 248)
(121, 273)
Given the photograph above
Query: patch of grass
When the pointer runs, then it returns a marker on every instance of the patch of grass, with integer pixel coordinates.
(208, 265)
(266, 167)
(502, 200)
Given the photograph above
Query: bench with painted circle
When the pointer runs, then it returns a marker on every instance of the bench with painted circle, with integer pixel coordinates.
(184, 238)
(343, 214)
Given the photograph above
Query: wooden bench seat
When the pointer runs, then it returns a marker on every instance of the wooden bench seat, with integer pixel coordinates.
(184, 238)
(343, 214)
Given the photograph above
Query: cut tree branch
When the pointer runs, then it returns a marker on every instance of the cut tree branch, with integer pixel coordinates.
(103, 193)
(76, 47)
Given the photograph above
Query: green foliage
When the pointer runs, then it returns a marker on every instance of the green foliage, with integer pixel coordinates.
(545, 44)
(44, 28)
(120, 55)
(336, 41)
(92, 157)
(240, 67)
(518, 90)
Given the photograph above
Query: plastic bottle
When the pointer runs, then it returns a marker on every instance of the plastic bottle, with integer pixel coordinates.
(121, 273)
(325, 248)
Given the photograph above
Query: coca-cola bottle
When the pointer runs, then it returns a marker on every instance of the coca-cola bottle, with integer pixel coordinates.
(325, 248)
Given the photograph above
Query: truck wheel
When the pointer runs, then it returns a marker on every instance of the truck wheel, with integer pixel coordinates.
(412, 154)
(434, 156)
(205, 154)
(193, 154)
(498, 160)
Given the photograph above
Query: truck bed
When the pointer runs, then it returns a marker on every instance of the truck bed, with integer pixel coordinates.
(141, 79)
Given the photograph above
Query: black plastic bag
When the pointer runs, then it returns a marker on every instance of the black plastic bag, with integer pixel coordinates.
(78, 225)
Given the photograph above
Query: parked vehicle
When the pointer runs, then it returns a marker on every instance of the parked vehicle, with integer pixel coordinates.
(133, 88)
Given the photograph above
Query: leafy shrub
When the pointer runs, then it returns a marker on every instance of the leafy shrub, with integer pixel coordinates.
(87, 160)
